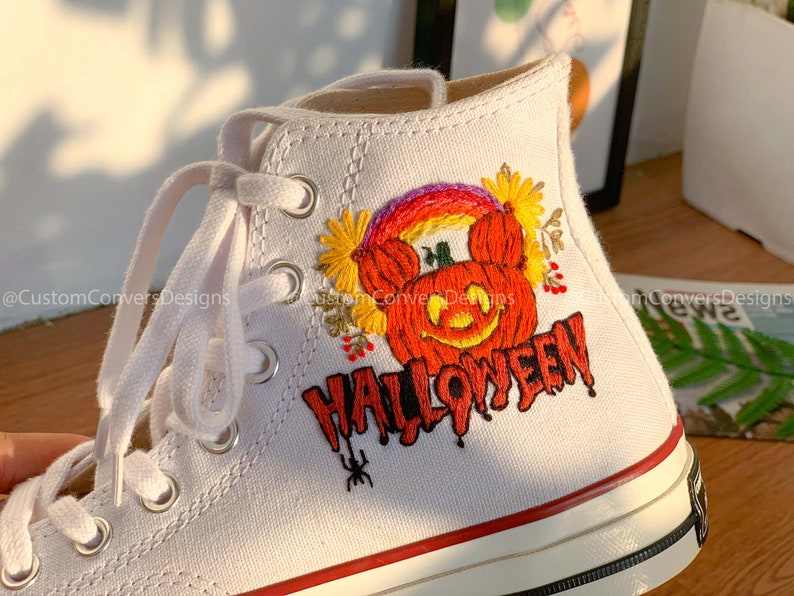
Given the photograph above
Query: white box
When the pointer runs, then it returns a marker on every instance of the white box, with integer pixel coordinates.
(738, 163)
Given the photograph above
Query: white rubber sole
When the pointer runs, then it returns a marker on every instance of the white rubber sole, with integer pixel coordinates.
(625, 541)
(650, 536)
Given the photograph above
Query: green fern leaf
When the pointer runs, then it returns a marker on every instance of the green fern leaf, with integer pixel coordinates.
(786, 429)
(737, 353)
(709, 341)
(676, 359)
(768, 400)
(742, 381)
(768, 356)
(700, 373)
(673, 353)
(659, 340)
(782, 349)
(718, 352)
(679, 332)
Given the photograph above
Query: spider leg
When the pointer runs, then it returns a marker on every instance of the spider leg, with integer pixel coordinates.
(344, 463)
(364, 460)
(349, 478)
(367, 476)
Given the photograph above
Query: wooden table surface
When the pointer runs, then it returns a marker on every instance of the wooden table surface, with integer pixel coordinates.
(49, 371)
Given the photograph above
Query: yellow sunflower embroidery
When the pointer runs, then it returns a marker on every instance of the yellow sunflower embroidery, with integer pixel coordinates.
(343, 241)
(368, 316)
(536, 263)
(524, 197)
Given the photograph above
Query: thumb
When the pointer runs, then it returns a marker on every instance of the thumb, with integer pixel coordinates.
(23, 455)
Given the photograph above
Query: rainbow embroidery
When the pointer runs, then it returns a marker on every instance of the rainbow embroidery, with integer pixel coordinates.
(427, 210)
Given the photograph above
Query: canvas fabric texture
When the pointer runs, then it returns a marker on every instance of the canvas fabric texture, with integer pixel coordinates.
(277, 506)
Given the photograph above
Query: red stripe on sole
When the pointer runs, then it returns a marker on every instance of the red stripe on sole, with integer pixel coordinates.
(501, 524)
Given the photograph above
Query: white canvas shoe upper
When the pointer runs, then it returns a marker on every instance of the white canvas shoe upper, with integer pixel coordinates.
(402, 326)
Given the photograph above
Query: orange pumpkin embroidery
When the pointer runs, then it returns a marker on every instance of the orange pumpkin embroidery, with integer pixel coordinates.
(473, 306)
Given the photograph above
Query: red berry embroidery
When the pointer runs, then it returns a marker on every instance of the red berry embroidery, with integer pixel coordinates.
(551, 280)
(356, 346)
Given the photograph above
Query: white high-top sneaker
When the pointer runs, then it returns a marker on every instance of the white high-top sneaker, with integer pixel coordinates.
(399, 364)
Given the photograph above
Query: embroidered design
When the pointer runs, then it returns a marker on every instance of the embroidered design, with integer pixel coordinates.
(355, 467)
(340, 317)
(376, 270)
(402, 402)
(552, 279)
(461, 325)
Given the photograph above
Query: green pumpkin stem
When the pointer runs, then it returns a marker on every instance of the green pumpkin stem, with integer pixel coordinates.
(441, 258)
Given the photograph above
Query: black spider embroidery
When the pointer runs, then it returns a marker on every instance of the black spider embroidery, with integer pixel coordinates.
(355, 467)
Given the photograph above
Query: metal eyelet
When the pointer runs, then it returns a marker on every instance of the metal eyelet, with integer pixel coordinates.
(11, 583)
(167, 502)
(271, 363)
(296, 273)
(225, 442)
(105, 533)
(314, 195)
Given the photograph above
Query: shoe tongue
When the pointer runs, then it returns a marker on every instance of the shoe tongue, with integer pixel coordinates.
(368, 101)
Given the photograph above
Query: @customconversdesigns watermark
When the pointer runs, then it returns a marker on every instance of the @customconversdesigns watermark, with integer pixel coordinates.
(95, 297)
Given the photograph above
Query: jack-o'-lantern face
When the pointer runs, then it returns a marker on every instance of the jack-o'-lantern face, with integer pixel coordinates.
(467, 307)
(473, 306)
(467, 322)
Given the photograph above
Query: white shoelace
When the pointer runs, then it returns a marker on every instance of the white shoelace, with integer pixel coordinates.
(204, 337)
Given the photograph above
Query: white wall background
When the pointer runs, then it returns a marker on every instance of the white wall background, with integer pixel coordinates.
(657, 126)
(102, 99)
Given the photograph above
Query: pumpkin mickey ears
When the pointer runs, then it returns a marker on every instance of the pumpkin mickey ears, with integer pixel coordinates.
(386, 268)
(497, 238)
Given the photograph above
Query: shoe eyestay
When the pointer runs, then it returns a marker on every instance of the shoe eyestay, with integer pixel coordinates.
(17, 582)
(270, 367)
(225, 442)
(297, 275)
(167, 500)
(104, 533)
(314, 195)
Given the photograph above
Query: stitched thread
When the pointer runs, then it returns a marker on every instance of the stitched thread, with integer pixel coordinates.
(401, 402)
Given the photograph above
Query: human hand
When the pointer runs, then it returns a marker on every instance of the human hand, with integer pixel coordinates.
(23, 455)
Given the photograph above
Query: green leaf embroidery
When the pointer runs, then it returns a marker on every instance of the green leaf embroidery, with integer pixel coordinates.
(759, 359)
